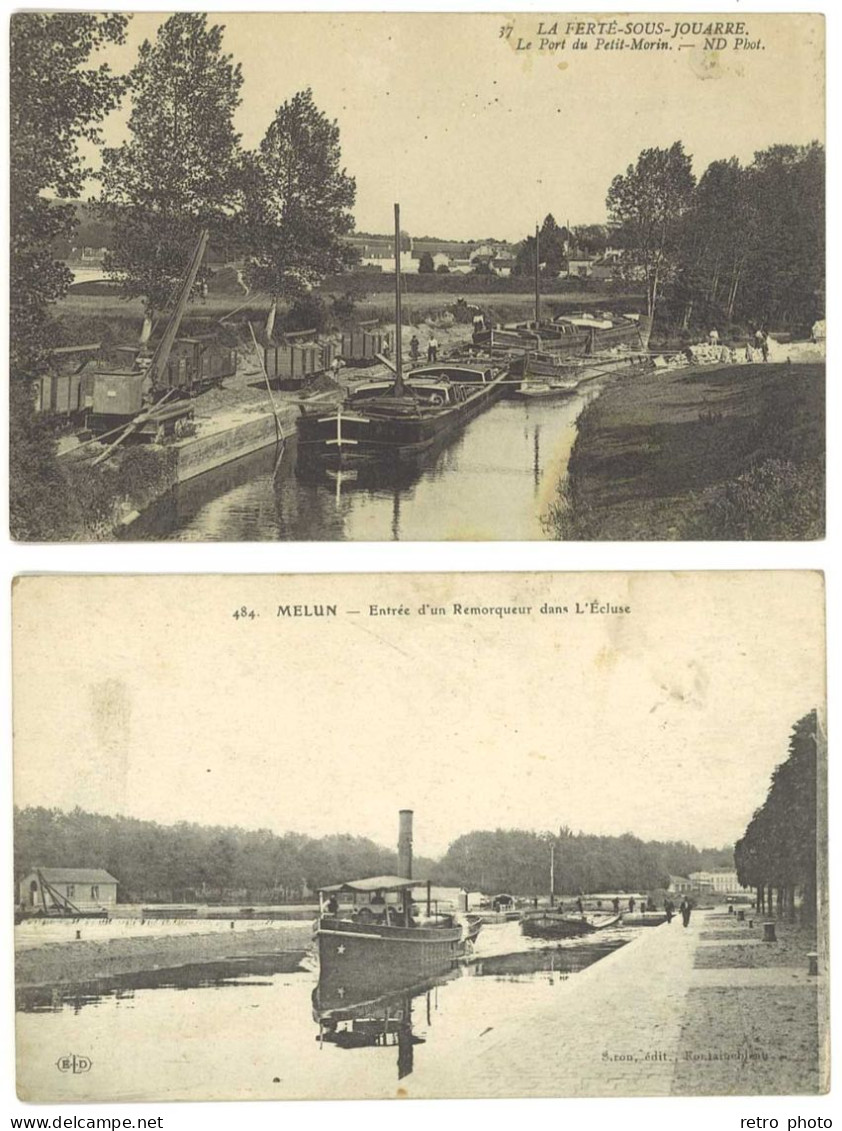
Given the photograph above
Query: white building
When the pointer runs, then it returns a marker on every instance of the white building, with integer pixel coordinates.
(88, 889)
(723, 881)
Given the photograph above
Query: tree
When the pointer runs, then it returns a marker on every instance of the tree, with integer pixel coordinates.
(296, 203)
(779, 847)
(426, 266)
(178, 172)
(592, 239)
(55, 102)
(646, 206)
(551, 248)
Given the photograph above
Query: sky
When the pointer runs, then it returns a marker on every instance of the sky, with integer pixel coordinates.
(147, 697)
(476, 139)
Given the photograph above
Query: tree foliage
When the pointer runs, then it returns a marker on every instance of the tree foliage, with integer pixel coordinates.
(779, 847)
(518, 861)
(646, 206)
(551, 248)
(179, 169)
(190, 861)
(296, 201)
(56, 100)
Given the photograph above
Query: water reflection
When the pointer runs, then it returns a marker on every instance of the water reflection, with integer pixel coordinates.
(496, 480)
(350, 1018)
(255, 969)
(256, 1028)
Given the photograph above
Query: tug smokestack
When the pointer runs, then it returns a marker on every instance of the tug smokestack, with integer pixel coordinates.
(405, 844)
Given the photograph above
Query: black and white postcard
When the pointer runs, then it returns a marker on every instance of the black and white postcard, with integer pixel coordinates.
(425, 836)
(417, 276)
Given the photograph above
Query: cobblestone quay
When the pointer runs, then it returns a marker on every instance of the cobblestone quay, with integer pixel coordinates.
(655, 1018)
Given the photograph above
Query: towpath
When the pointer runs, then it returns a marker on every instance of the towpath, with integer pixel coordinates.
(707, 1009)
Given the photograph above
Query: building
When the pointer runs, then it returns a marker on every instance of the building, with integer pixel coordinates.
(88, 889)
(580, 268)
(680, 885)
(722, 881)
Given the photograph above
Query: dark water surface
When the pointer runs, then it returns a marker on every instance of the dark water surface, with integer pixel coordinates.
(242, 1029)
(494, 481)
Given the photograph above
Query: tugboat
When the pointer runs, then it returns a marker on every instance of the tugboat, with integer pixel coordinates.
(402, 417)
(373, 940)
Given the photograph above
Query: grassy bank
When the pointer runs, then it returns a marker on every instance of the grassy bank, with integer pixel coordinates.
(732, 452)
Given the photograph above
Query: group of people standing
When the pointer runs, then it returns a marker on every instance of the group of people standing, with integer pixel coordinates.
(757, 344)
(432, 348)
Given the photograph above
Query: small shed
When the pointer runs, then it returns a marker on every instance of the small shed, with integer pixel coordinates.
(87, 889)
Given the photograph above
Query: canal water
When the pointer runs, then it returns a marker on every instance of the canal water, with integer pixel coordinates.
(249, 1029)
(495, 481)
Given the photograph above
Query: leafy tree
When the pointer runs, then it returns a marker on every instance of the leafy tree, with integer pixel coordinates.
(784, 275)
(55, 101)
(779, 848)
(551, 248)
(591, 239)
(442, 269)
(425, 264)
(296, 203)
(178, 172)
(646, 206)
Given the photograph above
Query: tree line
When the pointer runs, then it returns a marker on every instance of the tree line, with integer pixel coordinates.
(778, 853)
(192, 862)
(743, 244)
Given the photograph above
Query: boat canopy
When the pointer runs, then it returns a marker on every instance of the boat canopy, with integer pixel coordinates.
(376, 883)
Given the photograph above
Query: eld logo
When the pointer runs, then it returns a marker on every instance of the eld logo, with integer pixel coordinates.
(73, 1063)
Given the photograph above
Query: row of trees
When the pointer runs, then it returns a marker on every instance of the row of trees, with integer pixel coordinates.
(190, 861)
(744, 243)
(518, 861)
(778, 853)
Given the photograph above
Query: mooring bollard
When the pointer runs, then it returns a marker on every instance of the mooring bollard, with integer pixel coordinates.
(751, 922)
(78, 934)
(813, 961)
(769, 933)
(741, 915)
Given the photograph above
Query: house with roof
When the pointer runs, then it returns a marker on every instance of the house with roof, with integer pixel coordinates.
(87, 889)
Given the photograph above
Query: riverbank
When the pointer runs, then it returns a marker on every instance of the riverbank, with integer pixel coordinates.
(655, 1018)
(229, 422)
(720, 452)
(89, 958)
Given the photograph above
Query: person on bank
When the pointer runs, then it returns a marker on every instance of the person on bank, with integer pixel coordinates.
(432, 349)
(685, 910)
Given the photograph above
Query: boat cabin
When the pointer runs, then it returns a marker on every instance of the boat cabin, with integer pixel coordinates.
(385, 900)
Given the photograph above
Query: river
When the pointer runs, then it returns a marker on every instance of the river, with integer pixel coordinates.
(247, 1030)
(495, 481)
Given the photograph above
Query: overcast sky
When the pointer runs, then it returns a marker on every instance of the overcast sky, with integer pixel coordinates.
(146, 697)
(475, 139)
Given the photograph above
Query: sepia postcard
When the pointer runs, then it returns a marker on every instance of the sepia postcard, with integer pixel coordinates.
(417, 276)
(426, 836)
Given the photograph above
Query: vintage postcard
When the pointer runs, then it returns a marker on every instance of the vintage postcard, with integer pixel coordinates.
(405, 276)
(431, 835)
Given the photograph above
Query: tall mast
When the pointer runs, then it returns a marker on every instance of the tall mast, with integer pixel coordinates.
(398, 343)
(537, 279)
(552, 875)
